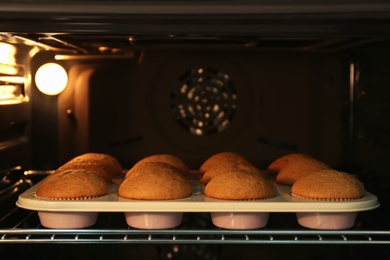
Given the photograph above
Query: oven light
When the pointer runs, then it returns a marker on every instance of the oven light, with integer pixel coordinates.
(51, 79)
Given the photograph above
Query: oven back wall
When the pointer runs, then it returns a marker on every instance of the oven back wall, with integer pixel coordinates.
(196, 103)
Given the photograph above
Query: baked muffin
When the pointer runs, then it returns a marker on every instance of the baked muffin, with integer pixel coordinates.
(155, 181)
(275, 166)
(220, 158)
(108, 162)
(239, 184)
(327, 186)
(297, 168)
(226, 167)
(166, 158)
(71, 185)
(330, 185)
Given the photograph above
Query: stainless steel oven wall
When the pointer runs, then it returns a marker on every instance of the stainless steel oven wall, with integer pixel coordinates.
(370, 145)
(259, 104)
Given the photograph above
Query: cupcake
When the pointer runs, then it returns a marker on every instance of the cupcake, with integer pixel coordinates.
(220, 158)
(331, 186)
(70, 185)
(275, 166)
(226, 167)
(165, 158)
(239, 185)
(297, 168)
(155, 181)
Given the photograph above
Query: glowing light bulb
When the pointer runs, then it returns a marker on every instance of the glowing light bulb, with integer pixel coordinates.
(51, 79)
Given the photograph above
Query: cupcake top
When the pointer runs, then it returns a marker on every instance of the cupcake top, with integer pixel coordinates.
(166, 158)
(218, 159)
(328, 185)
(297, 168)
(275, 166)
(155, 181)
(72, 184)
(226, 167)
(239, 184)
(108, 162)
(92, 167)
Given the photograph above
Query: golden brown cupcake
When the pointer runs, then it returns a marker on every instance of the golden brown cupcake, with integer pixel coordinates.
(155, 181)
(239, 185)
(226, 167)
(72, 184)
(219, 158)
(328, 185)
(275, 166)
(297, 168)
(166, 158)
(108, 162)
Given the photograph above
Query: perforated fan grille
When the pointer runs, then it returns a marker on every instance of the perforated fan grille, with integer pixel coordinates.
(204, 101)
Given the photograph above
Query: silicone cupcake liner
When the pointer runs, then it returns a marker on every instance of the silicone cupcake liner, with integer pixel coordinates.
(67, 219)
(154, 220)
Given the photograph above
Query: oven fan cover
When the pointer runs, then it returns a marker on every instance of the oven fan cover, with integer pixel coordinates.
(201, 104)
(204, 101)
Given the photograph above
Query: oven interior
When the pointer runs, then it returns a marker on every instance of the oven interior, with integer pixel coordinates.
(135, 92)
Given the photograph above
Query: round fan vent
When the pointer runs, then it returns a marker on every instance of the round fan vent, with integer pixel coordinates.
(204, 101)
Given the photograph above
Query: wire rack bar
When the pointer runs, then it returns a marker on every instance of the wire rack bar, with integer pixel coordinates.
(189, 236)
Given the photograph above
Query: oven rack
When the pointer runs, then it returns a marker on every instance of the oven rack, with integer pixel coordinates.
(190, 236)
(27, 230)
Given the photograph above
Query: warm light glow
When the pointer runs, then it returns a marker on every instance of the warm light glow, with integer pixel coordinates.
(7, 59)
(10, 94)
(51, 79)
(13, 79)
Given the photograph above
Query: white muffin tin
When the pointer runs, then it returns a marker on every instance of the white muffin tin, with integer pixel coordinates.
(310, 213)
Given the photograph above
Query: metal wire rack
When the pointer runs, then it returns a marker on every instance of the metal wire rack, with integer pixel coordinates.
(194, 237)
(28, 230)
